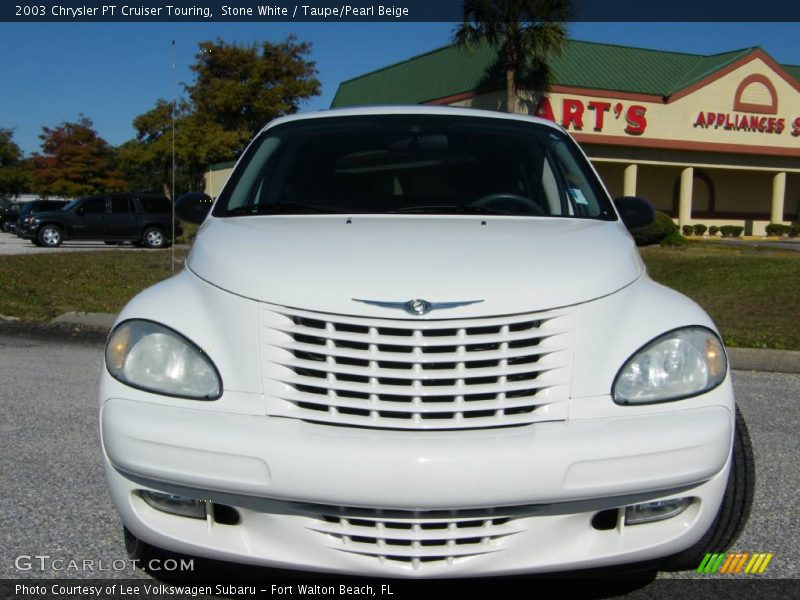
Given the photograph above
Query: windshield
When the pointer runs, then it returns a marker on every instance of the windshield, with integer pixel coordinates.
(442, 164)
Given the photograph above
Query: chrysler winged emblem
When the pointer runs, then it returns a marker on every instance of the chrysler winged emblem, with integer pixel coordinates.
(417, 306)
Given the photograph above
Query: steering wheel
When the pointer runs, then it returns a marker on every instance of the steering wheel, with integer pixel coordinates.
(509, 201)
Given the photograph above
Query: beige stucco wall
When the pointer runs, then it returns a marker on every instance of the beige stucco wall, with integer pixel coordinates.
(215, 180)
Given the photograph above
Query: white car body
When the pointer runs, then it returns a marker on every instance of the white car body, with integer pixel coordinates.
(371, 493)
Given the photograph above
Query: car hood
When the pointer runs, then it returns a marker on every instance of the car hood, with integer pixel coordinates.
(511, 264)
(47, 214)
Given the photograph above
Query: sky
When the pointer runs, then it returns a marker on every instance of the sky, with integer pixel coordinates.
(112, 72)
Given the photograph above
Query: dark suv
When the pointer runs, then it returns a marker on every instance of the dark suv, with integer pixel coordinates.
(11, 223)
(144, 219)
(9, 215)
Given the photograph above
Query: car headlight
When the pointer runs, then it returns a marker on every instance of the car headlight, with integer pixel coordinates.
(154, 358)
(681, 363)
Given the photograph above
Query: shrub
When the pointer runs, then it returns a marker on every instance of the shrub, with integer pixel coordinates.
(794, 231)
(700, 229)
(673, 239)
(687, 230)
(731, 231)
(713, 230)
(189, 233)
(660, 228)
(778, 229)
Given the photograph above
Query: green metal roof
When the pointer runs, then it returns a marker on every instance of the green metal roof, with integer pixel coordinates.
(452, 70)
(793, 70)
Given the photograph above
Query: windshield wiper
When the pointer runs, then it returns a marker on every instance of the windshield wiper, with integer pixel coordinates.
(446, 209)
(283, 208)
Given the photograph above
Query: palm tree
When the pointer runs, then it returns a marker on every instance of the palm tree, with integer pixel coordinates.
(527, 33)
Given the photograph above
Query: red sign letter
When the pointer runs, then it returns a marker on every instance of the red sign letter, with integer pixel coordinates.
(601, 108)
(545, 110)
(573, 113)
(637, 122)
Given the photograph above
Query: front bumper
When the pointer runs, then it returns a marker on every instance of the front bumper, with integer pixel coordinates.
(26, 232)
(304, 491)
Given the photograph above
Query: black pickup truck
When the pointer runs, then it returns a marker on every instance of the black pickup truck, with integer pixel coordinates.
(144, 219)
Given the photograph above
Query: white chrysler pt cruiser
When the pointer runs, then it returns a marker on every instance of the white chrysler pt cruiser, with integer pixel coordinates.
(415, 341)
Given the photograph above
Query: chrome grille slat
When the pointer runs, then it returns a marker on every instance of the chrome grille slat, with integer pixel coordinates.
(416, 374)
(419, 536)
(410, 357)
(417, 421)
(422, 341)
(380, 405)
(422, 375)
(423, 324)
(398, 551)
(412, 391)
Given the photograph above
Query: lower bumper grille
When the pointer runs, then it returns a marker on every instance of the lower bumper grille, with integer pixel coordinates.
(416, 374)
(415, 540)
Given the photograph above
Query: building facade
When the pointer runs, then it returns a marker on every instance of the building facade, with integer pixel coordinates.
(706, 139)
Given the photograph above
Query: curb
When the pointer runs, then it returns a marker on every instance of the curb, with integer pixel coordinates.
(741, 359)
(770, 361)
(89, 320)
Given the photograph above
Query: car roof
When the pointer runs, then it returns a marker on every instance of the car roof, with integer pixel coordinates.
(413, 109)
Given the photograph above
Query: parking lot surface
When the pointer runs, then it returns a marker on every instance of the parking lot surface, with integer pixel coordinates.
(11, 244)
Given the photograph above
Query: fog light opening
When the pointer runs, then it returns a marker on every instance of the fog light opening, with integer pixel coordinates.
(650, 512)
(175, 505)
(226, 515)
(606, 520)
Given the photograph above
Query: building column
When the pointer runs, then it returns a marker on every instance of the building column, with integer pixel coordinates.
(685, 198)
(778, 196)
(629, 183)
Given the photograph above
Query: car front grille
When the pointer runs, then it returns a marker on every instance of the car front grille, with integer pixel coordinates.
(415, 539)
(416, 374)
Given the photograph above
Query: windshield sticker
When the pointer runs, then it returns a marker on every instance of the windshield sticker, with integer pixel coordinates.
(578, 196)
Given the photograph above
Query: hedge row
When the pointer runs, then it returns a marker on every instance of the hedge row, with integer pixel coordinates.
(725, 231)
(776, 229)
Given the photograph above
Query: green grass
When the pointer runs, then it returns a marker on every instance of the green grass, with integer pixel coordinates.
(40, 287)
(751, 293)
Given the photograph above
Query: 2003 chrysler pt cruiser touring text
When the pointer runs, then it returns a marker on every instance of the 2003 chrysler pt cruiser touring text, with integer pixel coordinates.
(420, 342)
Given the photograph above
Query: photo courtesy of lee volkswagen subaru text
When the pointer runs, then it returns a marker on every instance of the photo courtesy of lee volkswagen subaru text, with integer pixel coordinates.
(421, 342)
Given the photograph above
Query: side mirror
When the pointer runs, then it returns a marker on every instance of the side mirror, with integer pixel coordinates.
(81, 211)
(193, 207)
(635, 212)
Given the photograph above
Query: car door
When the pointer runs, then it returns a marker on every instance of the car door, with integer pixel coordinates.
(90, 219)
(124, 219)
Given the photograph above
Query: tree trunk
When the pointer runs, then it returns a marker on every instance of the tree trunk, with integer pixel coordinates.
(511, 91)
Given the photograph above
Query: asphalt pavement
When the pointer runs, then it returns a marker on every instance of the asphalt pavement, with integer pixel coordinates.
(11, 244)
(55, 503)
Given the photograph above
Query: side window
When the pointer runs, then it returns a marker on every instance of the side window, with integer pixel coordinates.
(155, 204)
(120, 206)
(94, 206)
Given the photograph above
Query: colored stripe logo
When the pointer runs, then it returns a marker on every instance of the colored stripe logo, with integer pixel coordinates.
(735, 563)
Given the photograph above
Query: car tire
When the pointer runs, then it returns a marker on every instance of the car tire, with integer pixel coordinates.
(49, 236)
(735, 507)
(154, 237)
(137, 549)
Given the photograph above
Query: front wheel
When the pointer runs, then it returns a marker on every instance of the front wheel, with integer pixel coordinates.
(735, 507)
(49, 236)
(154, 238)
